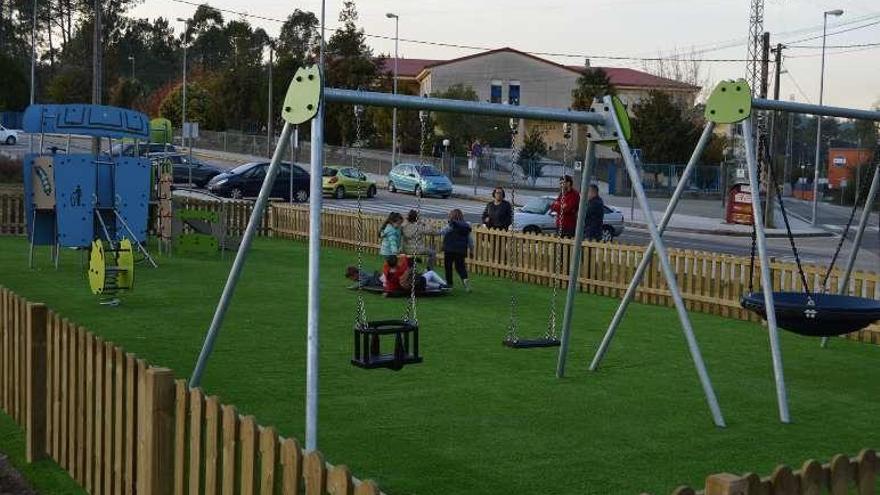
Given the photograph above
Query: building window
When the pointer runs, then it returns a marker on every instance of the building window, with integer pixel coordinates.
(513, 93)
(495, 92)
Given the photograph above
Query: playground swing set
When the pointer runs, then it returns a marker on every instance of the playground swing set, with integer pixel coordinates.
(608, 125)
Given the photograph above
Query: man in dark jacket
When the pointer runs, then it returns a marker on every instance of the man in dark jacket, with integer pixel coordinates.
(595, 214)
(498, 213)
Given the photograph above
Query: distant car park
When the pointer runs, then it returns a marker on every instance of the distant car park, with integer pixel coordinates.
(246, 180)
(535, 217)
(8, 136)
(184, 169)
(340, 181)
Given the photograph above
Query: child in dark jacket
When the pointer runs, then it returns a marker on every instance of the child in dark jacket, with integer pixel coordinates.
(457, 241)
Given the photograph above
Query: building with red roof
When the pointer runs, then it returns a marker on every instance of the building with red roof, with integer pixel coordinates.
(509, 76)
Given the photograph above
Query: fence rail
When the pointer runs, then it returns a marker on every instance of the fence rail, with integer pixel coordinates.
(118, 425)
(841, 476)
(710, 282)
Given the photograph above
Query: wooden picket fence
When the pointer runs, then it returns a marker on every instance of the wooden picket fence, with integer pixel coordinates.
(119, 425)
(12, 221)
(710, 282)
(841, 476)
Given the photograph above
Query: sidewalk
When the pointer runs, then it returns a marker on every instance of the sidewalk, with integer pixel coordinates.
(711, 223)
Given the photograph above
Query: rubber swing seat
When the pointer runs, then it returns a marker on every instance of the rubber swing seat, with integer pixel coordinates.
(828, 315)
(531, 343)
(403, 292)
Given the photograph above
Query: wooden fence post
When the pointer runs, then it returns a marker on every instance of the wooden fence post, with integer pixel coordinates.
(35, 425)
(155, 460)
(726, 484)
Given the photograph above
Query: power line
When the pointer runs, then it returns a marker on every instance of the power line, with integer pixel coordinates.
(798, 86)
(858, 45)
(485, 48)
(818, 36)
(581, 56)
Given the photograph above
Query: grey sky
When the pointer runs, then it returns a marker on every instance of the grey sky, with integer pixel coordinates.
(643, 28)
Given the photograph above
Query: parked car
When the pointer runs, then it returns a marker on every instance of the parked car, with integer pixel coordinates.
(535, 217)
(245, 181)
(346, 181)
(143, 149)
(8, 136)
(182, 168)
(419, 180)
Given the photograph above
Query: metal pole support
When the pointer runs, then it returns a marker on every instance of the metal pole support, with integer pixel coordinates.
(668, 272)
(649, 251)
(766, 282)
(575, 268)
(240, 257)
(857, 242)
(314, 296)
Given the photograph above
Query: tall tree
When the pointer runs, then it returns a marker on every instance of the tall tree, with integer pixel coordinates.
(462, 130)
(664, 131)
(593, 83)
(349, 64)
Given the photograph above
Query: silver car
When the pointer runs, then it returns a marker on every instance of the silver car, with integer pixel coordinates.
(535, 217)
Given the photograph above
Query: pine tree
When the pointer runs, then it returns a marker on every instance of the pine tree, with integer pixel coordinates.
(593, 83)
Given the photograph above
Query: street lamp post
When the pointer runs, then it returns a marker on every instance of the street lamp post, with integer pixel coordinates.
(34, 54)
(131, 59)
(270, 128)
(183, 103)
(33, 67)
(394, 90)
(836, 13)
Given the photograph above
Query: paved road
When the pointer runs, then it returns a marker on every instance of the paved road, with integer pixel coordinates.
(812, 250)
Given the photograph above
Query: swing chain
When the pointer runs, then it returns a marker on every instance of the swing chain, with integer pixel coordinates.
(410, 315)
(557, 246)
(513, 325)
(361, 311)
(852, 216)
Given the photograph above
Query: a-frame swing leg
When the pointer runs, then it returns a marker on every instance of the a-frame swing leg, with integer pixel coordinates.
(668, 273)
(843, 288)
(649, 251)
(766, 282)
(299, 109)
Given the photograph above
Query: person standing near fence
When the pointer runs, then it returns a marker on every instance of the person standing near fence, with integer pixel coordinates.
(595, 213)
(499, 212)
(566, 207)
(390, 235)
(457, 241)
(414, 235)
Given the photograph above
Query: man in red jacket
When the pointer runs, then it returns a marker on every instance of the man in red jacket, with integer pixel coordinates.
(566, 207)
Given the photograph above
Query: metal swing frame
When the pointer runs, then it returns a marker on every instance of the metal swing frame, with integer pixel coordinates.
(752, 165)
(314, 100)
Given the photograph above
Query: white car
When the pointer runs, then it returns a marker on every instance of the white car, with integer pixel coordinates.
(535, 217)
(8, 136)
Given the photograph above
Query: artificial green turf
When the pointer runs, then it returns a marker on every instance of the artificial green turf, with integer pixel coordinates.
(477, 417)
(44, 476)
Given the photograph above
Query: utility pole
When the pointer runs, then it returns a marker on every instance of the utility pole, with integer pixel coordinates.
(270, 130)
(762, 129)
(788, 148)
(96, 69)
(34, 55)
(771, 190)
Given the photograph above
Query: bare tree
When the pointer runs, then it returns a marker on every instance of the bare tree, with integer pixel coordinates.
(681, 66)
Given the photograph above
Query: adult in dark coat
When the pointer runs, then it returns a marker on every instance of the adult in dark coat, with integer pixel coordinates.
(595, 214)
(499, 212)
